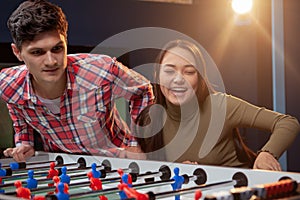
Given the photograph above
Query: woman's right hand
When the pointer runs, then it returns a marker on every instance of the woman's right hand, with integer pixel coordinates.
(266, 161)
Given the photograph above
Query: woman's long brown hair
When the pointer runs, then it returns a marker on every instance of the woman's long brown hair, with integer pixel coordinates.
(155, 142)
(150, 144)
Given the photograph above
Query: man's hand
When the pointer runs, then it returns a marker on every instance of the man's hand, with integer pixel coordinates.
(266, 161)
(20, 153)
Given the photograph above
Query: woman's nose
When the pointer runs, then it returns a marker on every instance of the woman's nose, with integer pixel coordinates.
(178, 78)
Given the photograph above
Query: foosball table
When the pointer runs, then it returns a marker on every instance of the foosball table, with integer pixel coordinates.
(65, 176)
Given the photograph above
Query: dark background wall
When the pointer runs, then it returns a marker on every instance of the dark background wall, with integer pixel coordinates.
(241, 52)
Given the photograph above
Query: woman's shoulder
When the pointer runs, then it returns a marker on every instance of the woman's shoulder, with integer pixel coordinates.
(225, 97)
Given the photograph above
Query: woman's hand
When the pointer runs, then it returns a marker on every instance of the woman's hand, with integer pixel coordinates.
(266, 161)
(20, 153)
(190, 162)
(133, 152)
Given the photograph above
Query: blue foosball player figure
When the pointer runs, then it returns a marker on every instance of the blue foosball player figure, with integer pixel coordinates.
(31, 181)
(64, 177)
(178, 181)
(61, 195)
(96, 174)
(125, 180)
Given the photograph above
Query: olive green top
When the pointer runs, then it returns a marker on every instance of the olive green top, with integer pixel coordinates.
(205, 133)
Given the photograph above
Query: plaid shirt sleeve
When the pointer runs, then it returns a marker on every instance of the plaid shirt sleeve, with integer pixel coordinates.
(23, 132)
(133, 87)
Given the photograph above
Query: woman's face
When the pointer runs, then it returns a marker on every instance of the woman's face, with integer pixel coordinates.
(178, 76)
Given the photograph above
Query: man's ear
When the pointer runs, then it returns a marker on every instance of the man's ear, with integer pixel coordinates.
(16, 51)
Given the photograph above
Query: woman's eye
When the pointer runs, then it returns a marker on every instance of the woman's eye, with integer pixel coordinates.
(190, 72)
(168, 70)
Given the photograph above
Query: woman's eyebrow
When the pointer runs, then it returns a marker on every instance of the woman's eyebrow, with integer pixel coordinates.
(168, 65)
(189, 65)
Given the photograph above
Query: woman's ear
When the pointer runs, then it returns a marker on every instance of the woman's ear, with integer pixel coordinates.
(16, 51)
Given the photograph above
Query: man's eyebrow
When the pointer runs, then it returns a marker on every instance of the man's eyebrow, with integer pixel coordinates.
(58, 43)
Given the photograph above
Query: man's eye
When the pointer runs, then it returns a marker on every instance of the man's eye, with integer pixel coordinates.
(36, 52)
(57, 49)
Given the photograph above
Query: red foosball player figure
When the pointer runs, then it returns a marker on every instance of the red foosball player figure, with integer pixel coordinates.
(39, 198)
(2, 173)
(125, 179)
(132, 193)
(198, 194)
(21, 191)
(52, 172)
(1, 182)
(128, 177)
(95, 184)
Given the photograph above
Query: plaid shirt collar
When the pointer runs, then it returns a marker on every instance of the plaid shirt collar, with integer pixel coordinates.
(28, 93)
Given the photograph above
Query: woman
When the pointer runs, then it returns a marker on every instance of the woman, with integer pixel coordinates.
(192, 123)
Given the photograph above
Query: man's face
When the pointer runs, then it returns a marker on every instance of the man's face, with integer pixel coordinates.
(45, 57)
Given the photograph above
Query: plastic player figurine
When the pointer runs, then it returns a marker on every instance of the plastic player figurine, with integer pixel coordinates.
(178, 181)
(128, 179)
(31, 181)
(56, 181)
(1, 182)
(22, 191)
(124, 180)
(96, 184)
(132, 193)
(61, 195)
(64, 177)
(2, 171)
(198, 194)
(96, 174)
(51, 173)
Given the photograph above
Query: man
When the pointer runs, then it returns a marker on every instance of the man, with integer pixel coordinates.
(67, 99)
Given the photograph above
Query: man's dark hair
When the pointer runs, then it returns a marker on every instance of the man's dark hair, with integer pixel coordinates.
(33, 17)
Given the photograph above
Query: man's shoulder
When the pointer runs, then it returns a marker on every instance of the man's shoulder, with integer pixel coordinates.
(86, 59)
(13, 74)
(11, 80)
(90, 70)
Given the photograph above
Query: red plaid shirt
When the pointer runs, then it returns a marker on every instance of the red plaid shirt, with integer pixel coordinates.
(88, 121)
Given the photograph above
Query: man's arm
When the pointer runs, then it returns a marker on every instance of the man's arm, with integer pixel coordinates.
(24, 141)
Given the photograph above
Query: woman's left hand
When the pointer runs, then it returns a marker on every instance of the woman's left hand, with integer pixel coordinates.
(266, 161)
(190, 162)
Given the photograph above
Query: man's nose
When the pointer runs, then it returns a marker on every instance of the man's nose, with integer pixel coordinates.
(50, 59)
